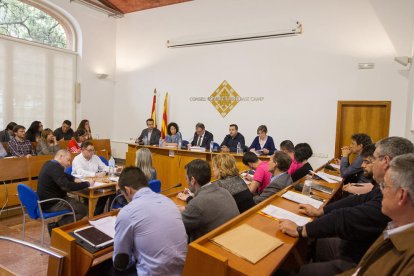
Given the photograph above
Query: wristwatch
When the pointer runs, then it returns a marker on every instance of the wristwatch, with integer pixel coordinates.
(299, 229)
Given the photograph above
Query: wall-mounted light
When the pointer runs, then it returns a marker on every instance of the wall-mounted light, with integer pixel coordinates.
(101, 76)
(366, 65)
(404, 61)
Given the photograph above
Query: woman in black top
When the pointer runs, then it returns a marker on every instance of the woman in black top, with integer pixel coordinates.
(302, 153)
(34, 131)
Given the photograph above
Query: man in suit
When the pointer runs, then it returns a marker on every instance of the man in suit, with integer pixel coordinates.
(393, 252)
(278, 166)
(202, 137)
(149, 135)
(211, 206)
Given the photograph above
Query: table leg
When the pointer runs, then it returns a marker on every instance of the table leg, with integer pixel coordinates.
(91, 207)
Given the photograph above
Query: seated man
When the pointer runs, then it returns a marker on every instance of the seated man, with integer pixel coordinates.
(346, 228)
(5, 135)
(53, 182)
(261, 177)
(393, 252)
(211, 206)
(367, 163)
(149, 232)
(88, 164)
(18, 145)
(353, 172)
(278, 165)
(65, 132)
(202, 138)
(232, 139)
(149, 135)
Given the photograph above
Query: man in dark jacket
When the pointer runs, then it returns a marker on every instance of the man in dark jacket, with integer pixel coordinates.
(53, 182)
(346, 229)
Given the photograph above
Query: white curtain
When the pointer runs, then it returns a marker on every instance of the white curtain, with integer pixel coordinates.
(37, 83)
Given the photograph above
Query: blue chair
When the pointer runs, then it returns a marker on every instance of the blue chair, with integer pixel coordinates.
(103, 159)
(216, 147)
(30, 201)
(68, 170)
(184, 143)
(155, 185)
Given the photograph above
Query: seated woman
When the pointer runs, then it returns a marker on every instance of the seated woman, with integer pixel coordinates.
(227, 173)
(34, 131)
(48, 144)
(174, 135)
(144, 162)
(262, 142)
(84, 124)
(278, 166)
(288, 147)
(302, 153)
(78, 138)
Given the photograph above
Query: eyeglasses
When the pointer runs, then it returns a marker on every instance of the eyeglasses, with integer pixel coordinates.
(383, 185)
(90, 150)
(377, 158)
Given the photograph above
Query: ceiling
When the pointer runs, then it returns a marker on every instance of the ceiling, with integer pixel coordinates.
(127, 6)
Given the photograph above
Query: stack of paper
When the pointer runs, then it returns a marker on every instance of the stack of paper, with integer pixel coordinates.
(280, 213)
(105, 225)
(299, 198)
(248, 243)
(331, 176)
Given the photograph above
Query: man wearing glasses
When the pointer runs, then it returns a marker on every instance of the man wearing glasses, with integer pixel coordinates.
(393, 252)
(345, 229)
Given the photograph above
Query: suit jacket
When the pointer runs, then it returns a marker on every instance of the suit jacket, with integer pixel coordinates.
(211, 207)
(207, 139)
(154, 139)
(397, 258)
(275, 186)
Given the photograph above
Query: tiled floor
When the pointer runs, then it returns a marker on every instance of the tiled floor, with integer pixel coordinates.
(20, 259)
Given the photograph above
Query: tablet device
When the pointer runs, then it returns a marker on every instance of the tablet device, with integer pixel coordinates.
(93, 236)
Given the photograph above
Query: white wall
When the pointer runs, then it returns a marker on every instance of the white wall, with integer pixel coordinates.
(301, 78)
(97, 35)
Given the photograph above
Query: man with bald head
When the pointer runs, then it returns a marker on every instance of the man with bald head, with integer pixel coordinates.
(53, 182)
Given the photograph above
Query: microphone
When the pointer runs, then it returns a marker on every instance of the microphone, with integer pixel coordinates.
(170, 188)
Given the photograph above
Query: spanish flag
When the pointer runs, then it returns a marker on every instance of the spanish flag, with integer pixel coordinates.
(164, 118)
(154, 111)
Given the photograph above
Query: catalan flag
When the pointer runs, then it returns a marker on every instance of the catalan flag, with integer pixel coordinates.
(154, 111)
(164, 118)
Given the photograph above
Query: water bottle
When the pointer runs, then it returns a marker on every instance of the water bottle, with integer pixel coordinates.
(307, 186)
(160, 142)
(211, 146)
(111, 164)
(145, 140)
(179, 144)
(239, 149)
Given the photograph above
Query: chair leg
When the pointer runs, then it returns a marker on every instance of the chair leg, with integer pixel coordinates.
(43, 232)
(24, 226)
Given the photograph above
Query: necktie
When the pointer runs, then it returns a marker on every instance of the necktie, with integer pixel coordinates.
(200, 138)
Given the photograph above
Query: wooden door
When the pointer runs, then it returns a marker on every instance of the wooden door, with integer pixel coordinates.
(370, 117)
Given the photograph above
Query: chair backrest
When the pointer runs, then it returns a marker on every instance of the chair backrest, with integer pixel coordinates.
(155, 185)
(184, 143)
(29, 199)
(216, 147)
(68, 170)
(103, 159)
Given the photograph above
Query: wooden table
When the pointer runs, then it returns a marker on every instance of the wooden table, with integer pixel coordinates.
(95, 192)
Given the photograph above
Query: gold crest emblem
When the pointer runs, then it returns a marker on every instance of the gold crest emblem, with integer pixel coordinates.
(224, 99)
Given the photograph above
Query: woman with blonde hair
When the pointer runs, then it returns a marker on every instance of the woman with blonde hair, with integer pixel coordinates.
(47, 144)
(144, 162)
(227, 173)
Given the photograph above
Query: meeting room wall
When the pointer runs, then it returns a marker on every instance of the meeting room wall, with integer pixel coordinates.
(301, 78)
(96, 35)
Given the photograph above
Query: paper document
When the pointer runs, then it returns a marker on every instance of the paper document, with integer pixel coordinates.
(280, 213)
(105, 225)
(97, 184)
(248, 243)
(335, 166)
(331, 176)
(197, 148)
(114, 178)
(299, 198)
(327, 179)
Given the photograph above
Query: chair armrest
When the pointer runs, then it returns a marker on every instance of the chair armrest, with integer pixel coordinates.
(39, 202)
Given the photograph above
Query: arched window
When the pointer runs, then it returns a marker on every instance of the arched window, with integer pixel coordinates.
(30, 21)
(37, 64)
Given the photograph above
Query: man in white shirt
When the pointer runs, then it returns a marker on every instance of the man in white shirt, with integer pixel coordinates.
(88, 164)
